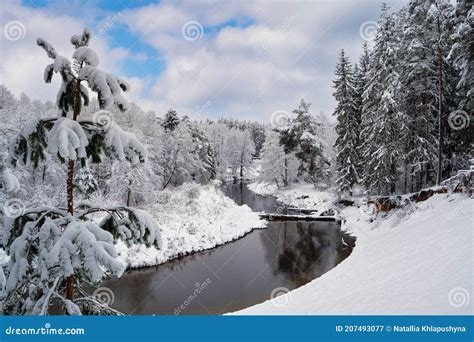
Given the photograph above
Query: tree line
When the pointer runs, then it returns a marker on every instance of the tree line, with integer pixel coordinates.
(403, 109)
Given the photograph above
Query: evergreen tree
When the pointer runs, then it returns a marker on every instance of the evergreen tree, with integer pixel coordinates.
(171, 120)
(303, 137)
(417, 102)
(348, 126)
(462, 53)
(53, 250)
(460, 136)
(361, 80)
(384, 125)
(85, 182)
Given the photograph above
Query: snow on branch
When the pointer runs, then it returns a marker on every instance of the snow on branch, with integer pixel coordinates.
(50, 51)
(81, 39)
(87, 244)
(8, 179)
(68, 139)
(107, 86)
(124, 145)
(47, 244)
(61, 64)
(131, 225)
(29, 144)
(86, 55)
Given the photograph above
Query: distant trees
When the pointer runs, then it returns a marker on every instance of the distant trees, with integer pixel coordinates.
(240, 151)
(403, 93)
(277, 166)
(302, 136)
(170, 121)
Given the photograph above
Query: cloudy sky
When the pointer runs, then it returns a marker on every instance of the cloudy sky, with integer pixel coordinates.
(213, 58)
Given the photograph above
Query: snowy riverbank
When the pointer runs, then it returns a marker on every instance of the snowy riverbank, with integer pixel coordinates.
(192, 218)
(303, 196)
(415, 260)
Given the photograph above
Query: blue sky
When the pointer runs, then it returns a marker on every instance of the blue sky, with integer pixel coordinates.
(244, 59)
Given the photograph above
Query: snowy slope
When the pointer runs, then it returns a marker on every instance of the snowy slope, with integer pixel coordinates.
(412, 262)
(192, 218)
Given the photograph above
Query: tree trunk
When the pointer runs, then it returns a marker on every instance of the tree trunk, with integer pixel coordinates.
(128, 197)
(425, 169)
(405, 178)
(440, 105)
(44, 172)
(311, 170)
(285, 180)
(69, 185)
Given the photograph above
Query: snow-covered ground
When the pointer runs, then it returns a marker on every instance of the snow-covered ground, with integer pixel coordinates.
(192, 218)
(416, 260)
(303, 196)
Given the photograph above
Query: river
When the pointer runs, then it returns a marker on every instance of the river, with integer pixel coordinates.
(236, 275)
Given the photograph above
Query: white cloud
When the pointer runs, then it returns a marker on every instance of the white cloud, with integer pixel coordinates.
(23, 62)
(289, 52)
(286, 51)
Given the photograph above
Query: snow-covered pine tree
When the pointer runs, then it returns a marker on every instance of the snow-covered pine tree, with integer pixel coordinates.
(441, 14)
(418, 100)
(384, 127)
(203, 152)
(348, 126)
(179, 155)
(459, 141)
(303, 137)
(171, 120)
(462, 53)
(85, 182)
(53, 251)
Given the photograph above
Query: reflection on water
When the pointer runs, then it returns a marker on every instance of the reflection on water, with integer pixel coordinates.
(242, 195)
(235, 275)
(238, 274)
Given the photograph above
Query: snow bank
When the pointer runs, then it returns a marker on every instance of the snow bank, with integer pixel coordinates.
(192, 218)
(417, 260)
(303, 196)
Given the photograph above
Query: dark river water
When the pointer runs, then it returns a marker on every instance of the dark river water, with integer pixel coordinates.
(236, 275)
